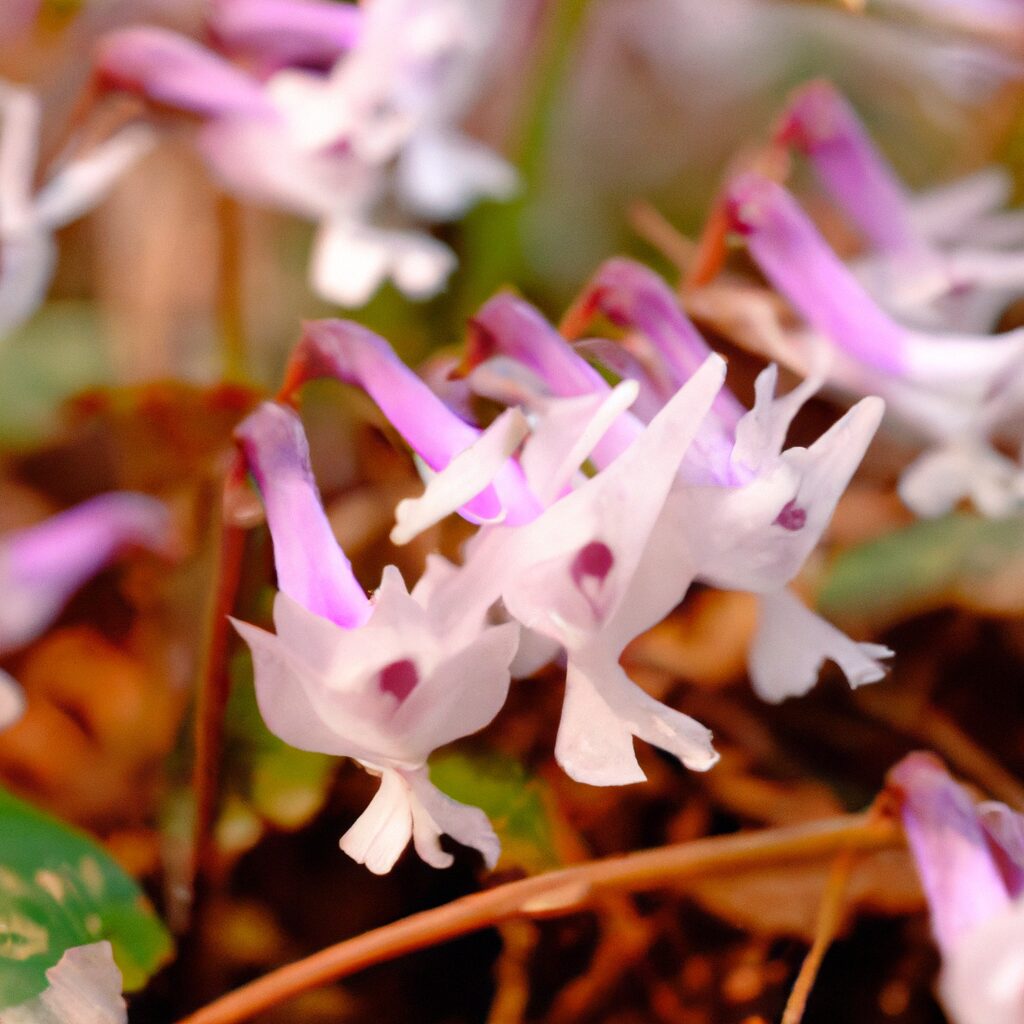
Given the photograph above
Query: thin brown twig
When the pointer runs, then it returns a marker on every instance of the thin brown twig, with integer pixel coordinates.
(557, 892)
(830, 917)
(214, 684)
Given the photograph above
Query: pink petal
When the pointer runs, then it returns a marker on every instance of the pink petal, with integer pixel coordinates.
(962, 882)
(174, 70)
(354, 355)
(311, 567)
(42, 566)
(279, 33)
(820, 122)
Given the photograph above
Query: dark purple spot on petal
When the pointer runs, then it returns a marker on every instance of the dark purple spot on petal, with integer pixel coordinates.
(399, 678)
(594, 561)
(792, 517)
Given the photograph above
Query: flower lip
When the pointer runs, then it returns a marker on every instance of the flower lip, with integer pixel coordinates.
(399, 678)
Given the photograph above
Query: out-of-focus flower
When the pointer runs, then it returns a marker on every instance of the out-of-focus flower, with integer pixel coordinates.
(955, 390)
(938, 260)
(358, 149)
(971, 862)
(372, 679)
(84, 988)
(29, 217)
(749, 512)
(43, 565)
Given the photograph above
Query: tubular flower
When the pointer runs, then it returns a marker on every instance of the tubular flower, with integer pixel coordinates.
(971, 862)
(943, 259)
(571, 564)
(750, 512)
(43, 565)
(955, 390)
(342, 113)
(28, 217)
(376, 679)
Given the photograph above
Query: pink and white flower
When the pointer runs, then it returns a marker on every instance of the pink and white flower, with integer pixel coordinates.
(955, 391)
(376, 679)
(374, 130)
(971, 862)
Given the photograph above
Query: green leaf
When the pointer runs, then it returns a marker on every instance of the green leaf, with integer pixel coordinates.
(515, 802)
(959, 559)
(60, 889)
(60, 352)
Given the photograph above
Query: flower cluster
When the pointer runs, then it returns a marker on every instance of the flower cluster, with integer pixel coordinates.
(909, 318)
(685, 484)
(346, 116)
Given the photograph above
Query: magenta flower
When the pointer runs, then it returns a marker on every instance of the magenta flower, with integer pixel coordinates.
(43, 565)
(954, 390)
(971, 863)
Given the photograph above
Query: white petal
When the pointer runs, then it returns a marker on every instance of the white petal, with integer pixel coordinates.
(82, 182)
(792, 643)
(982, 980)
(604, 710)
(420, 264)
(19, 140)
(384, 829)
(469, 473)
(761, 433)
(566, 433)
(26, 267)
(593, 745)
(84, 988)
(946, 213)
(12, 700)
(284, 703)
(434, 814)
(941, 478)
(349, 263)
(440, 174)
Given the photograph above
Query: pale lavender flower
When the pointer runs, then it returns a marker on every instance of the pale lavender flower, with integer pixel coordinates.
(749, 511)
(43, 565)
(30, 216)
(375, 135)
(971, 862)
(956, 391)
(376, 679)
(934, 259)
